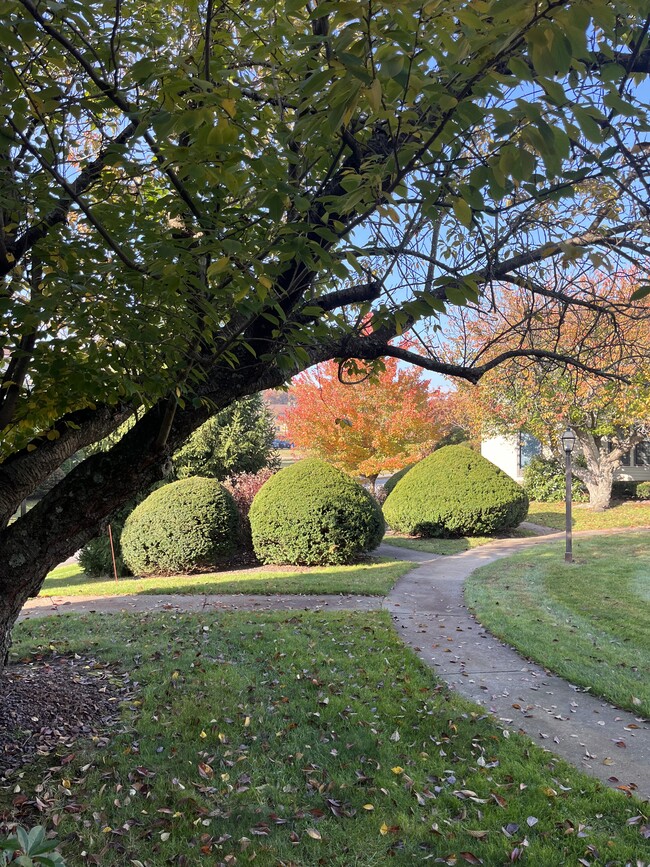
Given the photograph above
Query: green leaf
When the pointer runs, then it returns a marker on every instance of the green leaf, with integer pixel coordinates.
(588, 125)
(462, 212)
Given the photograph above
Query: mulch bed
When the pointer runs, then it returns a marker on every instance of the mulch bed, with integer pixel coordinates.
(50, 702)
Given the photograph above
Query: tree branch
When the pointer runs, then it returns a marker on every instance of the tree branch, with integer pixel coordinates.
(59, 213)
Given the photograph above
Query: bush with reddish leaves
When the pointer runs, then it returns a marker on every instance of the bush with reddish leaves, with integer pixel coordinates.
(243, 487)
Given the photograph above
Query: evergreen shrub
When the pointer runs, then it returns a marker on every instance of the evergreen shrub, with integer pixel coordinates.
(643, 490)
(624, 490)
(186, 526)
(455, 492)
(545, 482)
(389, 484)
(313, 514)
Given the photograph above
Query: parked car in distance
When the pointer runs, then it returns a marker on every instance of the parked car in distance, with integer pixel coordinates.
(282, 444)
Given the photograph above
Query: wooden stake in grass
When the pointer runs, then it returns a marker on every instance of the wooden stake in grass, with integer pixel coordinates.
(110, 537)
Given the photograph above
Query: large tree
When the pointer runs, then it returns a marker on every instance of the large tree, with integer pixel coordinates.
(606, 402)
(199, 200)
(379, 423)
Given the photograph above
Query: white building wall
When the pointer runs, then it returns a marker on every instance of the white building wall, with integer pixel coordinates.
(503, 452)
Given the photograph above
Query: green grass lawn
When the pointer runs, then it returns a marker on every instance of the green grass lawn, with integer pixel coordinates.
(303, 740)
(450, 546)
(622, 515)
(374, 578)
(587, 621)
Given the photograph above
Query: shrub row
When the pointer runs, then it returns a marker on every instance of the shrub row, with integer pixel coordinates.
(313, 514)
(309, 514)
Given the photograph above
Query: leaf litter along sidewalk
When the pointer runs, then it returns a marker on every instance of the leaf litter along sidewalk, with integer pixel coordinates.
(429, 613)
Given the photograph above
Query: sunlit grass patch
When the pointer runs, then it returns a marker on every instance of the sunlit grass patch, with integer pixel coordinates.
(372, 578)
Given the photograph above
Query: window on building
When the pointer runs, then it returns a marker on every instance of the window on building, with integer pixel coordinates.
(642, 454)
(529, 447)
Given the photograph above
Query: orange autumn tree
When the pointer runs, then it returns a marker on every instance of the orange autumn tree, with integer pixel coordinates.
(379, 424)
(609, 414)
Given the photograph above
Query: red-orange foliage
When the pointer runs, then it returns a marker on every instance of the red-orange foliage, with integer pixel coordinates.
(541, 397)
(380, 424)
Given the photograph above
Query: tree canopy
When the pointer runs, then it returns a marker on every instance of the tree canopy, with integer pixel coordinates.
(605, 400)
(199, 200)
(379, 424)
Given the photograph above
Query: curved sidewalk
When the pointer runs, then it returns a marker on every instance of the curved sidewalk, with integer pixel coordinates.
(430, 615)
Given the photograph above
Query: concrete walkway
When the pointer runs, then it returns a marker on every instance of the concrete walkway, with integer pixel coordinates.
(429, 613)
(430, 616)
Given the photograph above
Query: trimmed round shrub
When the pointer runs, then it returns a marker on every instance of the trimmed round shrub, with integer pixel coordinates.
(389, 484)
(312, 514)
(643, 490)
(455, 492)
(186, 526)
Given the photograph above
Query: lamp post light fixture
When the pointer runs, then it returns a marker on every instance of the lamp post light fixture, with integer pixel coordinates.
(568, 440)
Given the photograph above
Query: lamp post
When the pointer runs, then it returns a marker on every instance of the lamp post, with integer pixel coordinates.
(568, 440)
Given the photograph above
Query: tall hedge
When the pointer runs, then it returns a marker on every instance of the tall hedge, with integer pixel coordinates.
(455, 492)
(313, 514)
(186, 526)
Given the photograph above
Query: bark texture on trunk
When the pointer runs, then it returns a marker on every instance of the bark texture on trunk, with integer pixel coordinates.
(10, 606)
(600, 490)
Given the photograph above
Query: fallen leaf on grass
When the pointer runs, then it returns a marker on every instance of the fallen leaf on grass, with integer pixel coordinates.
(470, 858)
(313, 833)
(205, 771)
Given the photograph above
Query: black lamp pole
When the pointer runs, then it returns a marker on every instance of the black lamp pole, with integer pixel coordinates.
(568, 442)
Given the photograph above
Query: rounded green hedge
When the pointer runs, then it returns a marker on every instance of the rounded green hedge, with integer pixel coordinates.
(455, 492)
(312, 514)
(390, 483)
(186, 526)
(643, 490)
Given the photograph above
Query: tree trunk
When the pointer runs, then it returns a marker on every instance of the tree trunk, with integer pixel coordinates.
(600, 489)
(599, 473)
(11, 603)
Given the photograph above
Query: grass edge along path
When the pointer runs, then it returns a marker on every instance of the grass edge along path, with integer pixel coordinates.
(621, 515)
(449, 547)
(585, 621)
(305, 739)
(373, 578)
